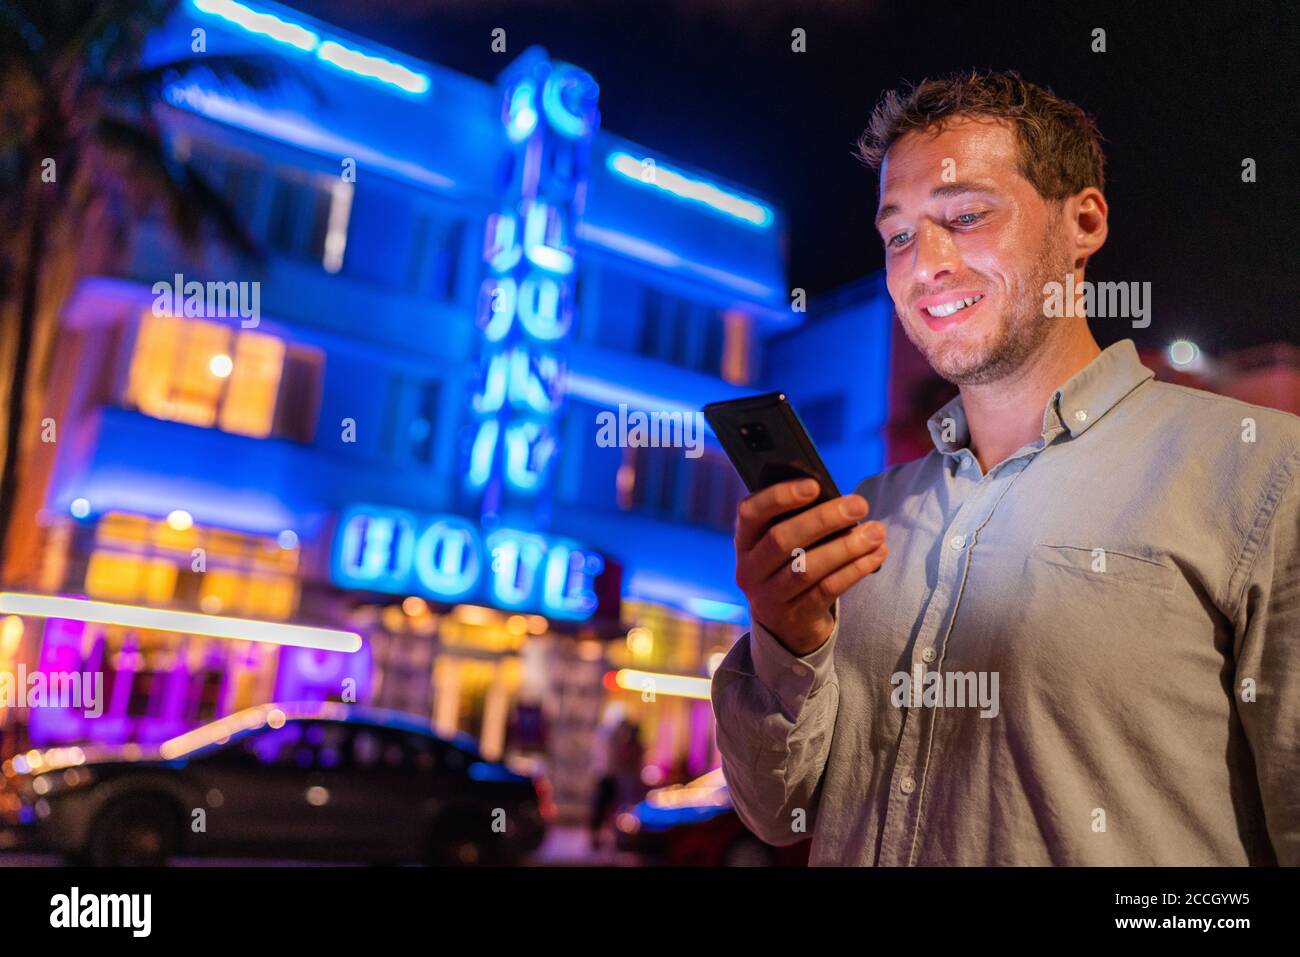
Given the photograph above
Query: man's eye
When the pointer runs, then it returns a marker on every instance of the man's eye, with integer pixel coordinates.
(897, 240)
(969, 219)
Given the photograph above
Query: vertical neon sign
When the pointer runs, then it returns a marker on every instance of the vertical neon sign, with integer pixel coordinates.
(525, 305)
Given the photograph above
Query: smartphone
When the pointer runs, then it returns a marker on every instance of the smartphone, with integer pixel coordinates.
(767, 443)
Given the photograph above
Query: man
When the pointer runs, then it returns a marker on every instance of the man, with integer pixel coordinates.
(1081, 644)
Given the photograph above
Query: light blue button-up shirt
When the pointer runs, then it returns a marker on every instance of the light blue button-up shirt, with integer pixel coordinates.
(1088, 655)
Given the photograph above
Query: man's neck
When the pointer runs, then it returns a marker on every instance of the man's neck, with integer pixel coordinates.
(1005, 415)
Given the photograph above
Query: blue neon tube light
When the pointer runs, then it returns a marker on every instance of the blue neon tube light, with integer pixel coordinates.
(336, 54)
(688, 188)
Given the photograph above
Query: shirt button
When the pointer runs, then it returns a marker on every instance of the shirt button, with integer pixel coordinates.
(1081, 415)
(927, 655)
(958, 542)
(907, 786)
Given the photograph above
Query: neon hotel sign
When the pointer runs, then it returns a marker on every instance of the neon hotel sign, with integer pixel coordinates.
(525, 311)
(525, 300)
(446, 558)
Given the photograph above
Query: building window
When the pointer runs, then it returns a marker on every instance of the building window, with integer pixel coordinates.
(215, 376)
(300, 216)
(254, 381)
(297, 407)
(648, 480)
(665, 483)
(715, 490)
(666, 327)
(144, 560)
(715, 346)
(411, 419)
(420, 432)
(737, 359)
(309, 211)
(612, 321)
(631, 316)
(401, 243)
(434, 261)
(589, 474)
(237, 177)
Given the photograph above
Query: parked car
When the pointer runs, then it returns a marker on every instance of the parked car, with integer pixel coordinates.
(303, 782)
(696, 825)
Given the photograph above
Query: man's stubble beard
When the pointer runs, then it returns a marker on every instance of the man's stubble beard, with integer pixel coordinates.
(1019, 336)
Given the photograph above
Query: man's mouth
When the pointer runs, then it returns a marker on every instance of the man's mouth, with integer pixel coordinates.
(947, 309)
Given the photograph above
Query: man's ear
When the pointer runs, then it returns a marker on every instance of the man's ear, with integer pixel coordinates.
(1086, 223)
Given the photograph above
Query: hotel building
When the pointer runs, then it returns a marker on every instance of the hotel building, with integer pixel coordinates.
(387, 422)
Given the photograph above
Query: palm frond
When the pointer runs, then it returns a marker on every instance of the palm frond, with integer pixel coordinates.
(188, 198)
(114, 35)
(257, 72)
(22, 44)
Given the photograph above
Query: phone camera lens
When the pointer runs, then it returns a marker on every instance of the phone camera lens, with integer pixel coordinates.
(756, 437)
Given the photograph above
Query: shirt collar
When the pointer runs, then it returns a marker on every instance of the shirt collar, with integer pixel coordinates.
(1092, 392)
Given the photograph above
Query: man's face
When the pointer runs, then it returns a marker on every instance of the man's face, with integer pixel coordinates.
(959, 223)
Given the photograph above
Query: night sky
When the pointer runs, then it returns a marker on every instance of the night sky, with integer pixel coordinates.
(1181, 99)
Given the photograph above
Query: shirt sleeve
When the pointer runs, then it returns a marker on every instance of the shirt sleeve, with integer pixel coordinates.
(775, 712)
(1267, 687)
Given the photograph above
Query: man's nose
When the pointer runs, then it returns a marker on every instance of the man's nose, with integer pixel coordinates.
(935, 254)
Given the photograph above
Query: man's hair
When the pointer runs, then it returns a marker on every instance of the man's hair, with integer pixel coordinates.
(1059, 145)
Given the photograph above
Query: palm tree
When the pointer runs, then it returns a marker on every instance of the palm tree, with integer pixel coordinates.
(82, 154)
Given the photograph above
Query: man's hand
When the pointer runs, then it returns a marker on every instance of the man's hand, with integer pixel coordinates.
(796, 605)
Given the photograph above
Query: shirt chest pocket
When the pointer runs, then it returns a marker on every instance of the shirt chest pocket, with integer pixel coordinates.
(1097, 610)
(1117, 565)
